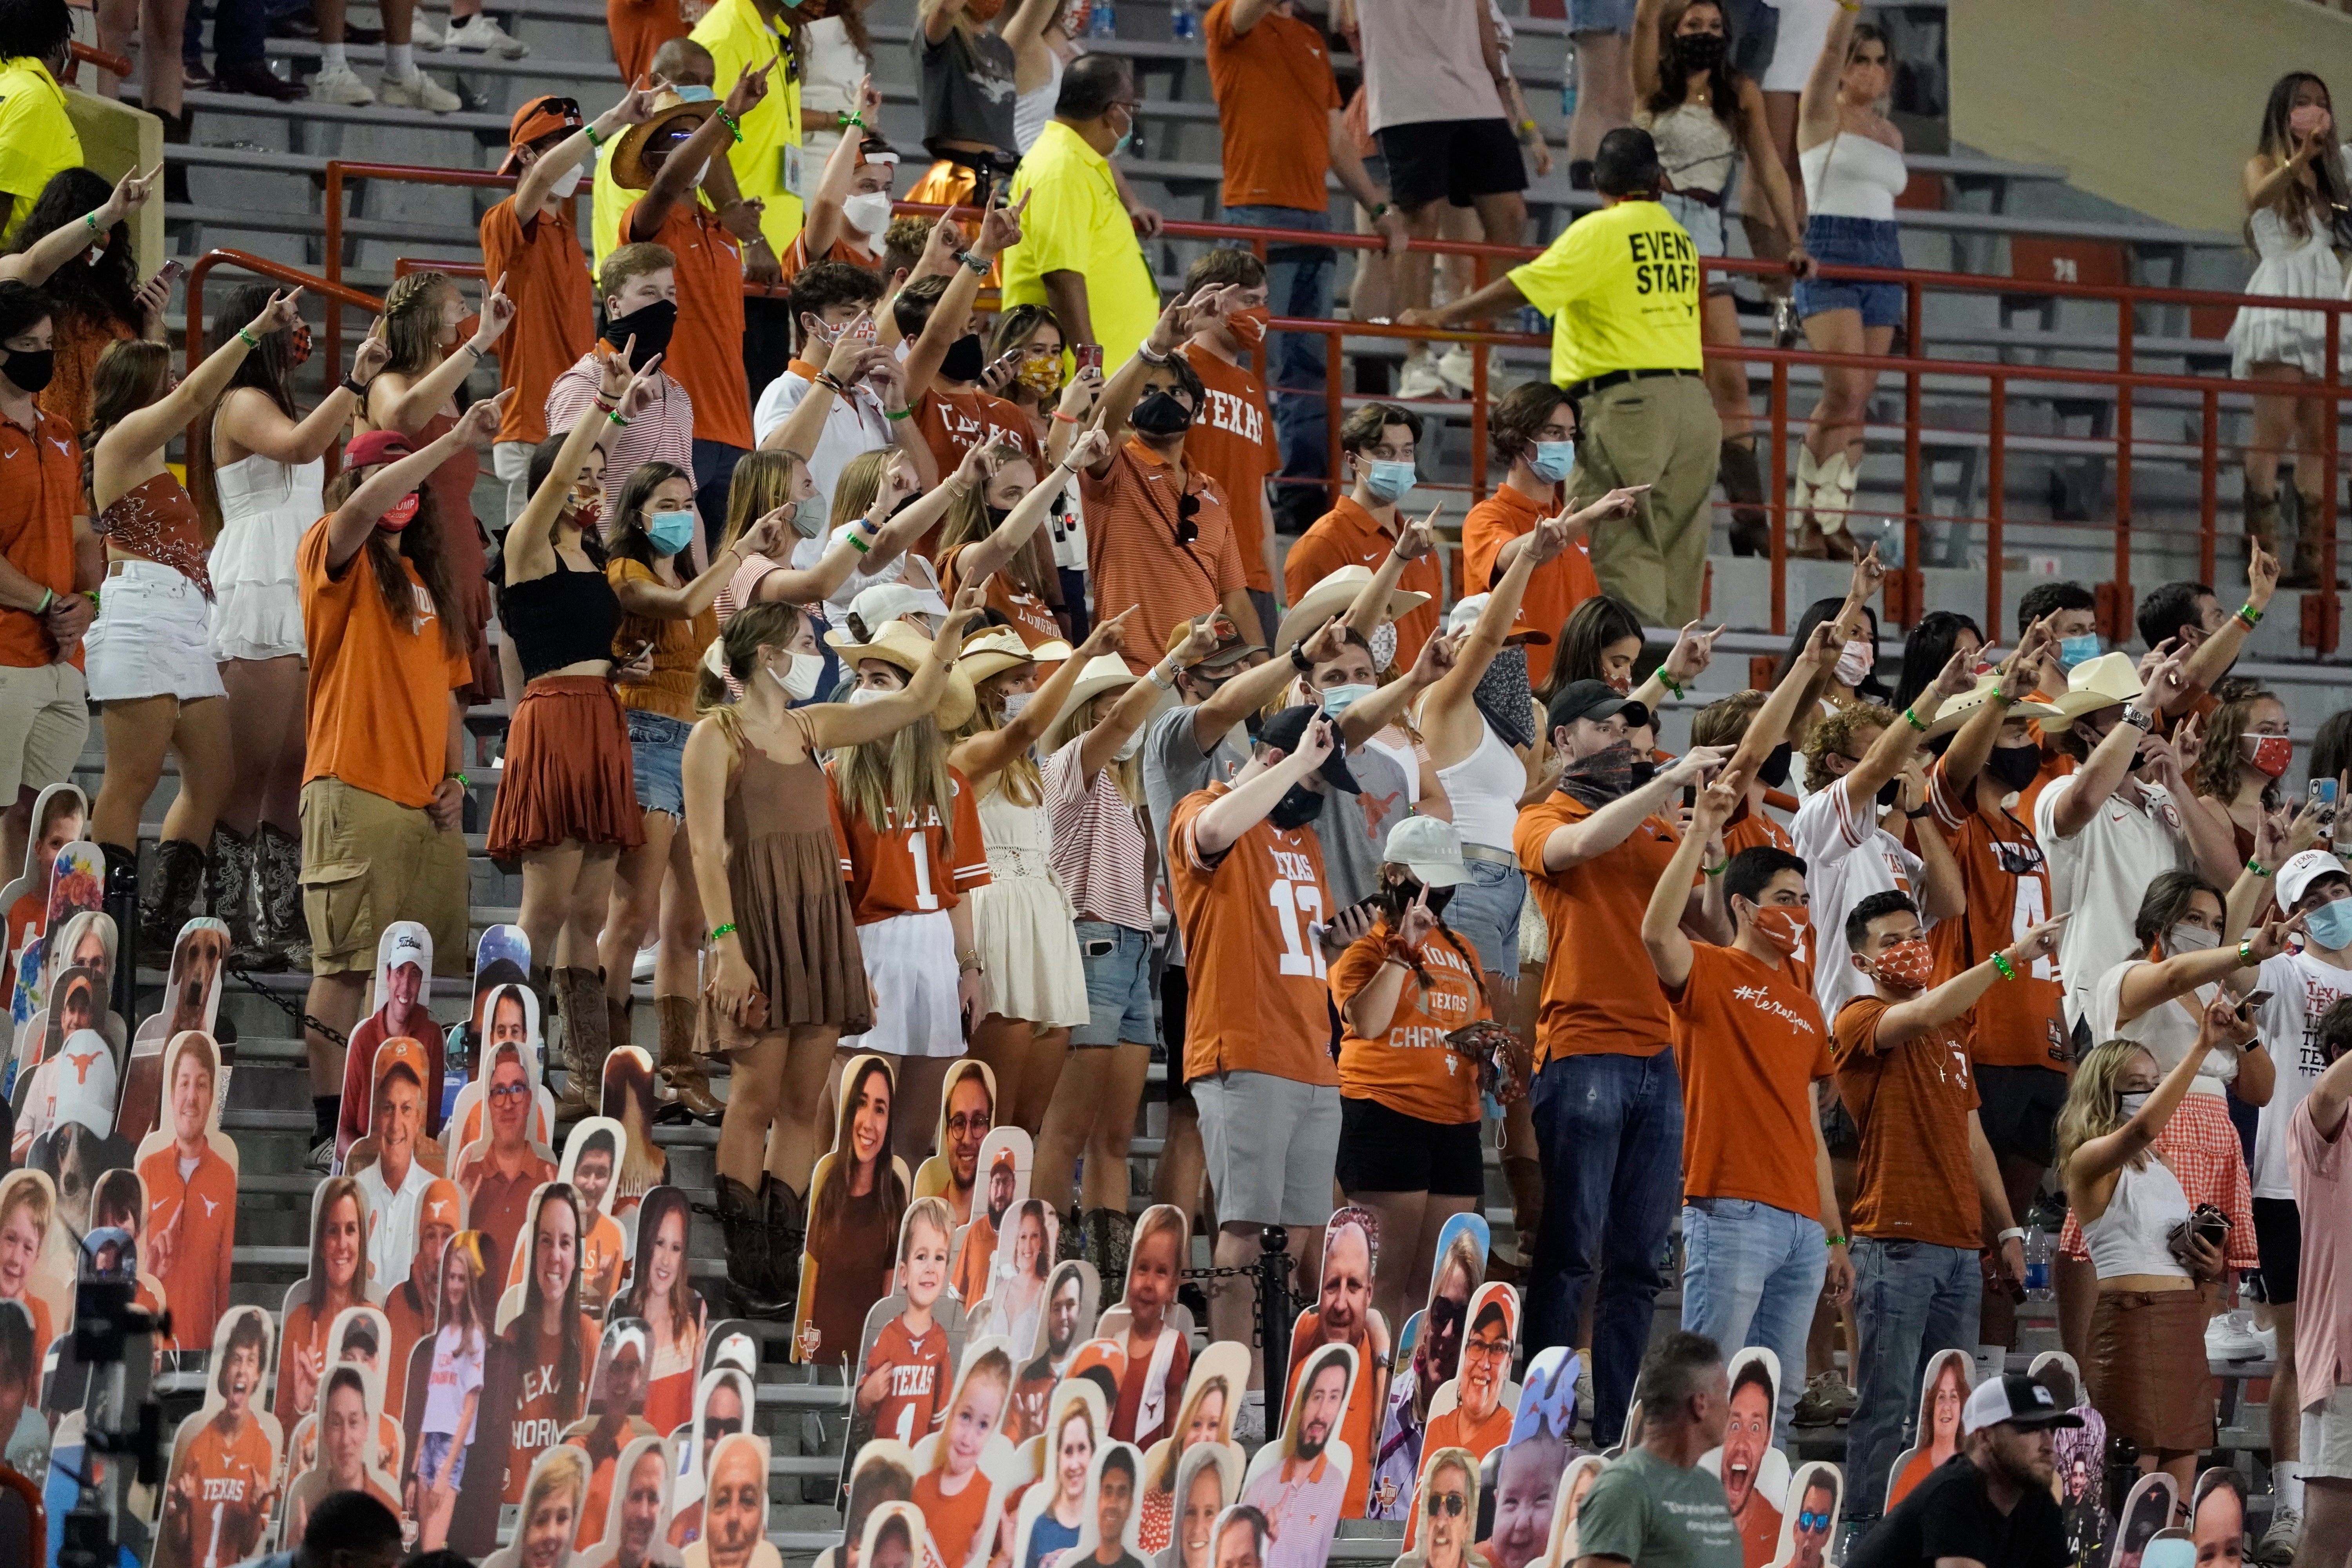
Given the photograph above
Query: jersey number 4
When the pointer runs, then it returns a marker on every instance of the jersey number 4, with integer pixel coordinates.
(1297, 911)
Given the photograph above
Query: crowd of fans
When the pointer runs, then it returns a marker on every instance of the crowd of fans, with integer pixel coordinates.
(901, 685)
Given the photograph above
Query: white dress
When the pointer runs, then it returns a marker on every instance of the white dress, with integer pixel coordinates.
(2300, 266)
(1021, 921)
(265, 507)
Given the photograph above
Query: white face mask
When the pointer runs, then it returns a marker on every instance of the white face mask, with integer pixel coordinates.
(868, 214)
(799, 678)
(865, 694)
(1014, 701)
(568, 182)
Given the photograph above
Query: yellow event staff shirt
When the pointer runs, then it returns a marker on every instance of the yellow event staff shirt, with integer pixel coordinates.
(1075, 222)
(1621, 288)
(737, 40)
(37, 136)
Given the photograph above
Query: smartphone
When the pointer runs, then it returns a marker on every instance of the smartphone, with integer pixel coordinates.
(171, 270)
(1089, 356)
(2324, 791)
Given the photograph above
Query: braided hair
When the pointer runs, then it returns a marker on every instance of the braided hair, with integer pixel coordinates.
(1394, 900)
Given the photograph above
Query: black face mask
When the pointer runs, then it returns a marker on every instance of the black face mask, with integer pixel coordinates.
(1298, 806)
(1161, 413)
(1773, 771)
(651, 325)
(996, 515)
(2013, 767)
(1700, 51)
(965, 359)
(1398, 898)
(30, 370)
(1890, 792)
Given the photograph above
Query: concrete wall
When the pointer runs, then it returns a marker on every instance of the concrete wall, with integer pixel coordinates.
(2151, 103)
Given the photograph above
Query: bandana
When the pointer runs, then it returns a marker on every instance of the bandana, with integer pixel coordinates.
(1605, 774)
(1503, 697)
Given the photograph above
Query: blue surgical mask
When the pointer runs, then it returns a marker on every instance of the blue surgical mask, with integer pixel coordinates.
(1337, 699)
(1552, 460)
(1126, 137)
(2073, 651)
(670, 530)
(1389, 481)
(696, 95)
(2330, 925)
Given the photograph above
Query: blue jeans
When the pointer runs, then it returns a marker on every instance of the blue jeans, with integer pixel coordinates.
(1751, 1275)
(1609, 1134)
(1298, 285)
(1911, 1300)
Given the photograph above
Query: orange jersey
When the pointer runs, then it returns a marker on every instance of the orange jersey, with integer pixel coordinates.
(1031, 616)
(1601, 997)
(1232, 441)
(1409, 1068)
(1749, 828)
(232, 1484)
(543, 1405)
(906, 868)
(198, 1211)
(1258, 1001)
(955, 1521)
(2005, 878)
(918, 1392)
(1356, 1425)
(1554, 588)
(1749, 1041)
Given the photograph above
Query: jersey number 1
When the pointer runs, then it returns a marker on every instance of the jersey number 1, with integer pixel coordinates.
(1297, 907)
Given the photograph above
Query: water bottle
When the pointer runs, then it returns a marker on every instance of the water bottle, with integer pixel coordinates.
(1567, 84)
(1102, 21)
(2037, 1264)
(1184, 23)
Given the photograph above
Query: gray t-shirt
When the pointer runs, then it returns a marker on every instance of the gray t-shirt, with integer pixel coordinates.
(965, 82)
(1355, 828)
(1174, 767)
(1657, 1515)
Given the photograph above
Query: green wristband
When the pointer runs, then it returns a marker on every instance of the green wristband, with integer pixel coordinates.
(726, 930)
(2000, 962)
(1912, 719)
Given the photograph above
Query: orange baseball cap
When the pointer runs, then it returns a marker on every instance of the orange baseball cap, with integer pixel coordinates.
(401, 1051)
(542, 116)
(442, 1203)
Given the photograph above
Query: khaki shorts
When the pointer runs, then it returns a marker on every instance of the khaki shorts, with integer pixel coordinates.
(44, 719)
(368, 862)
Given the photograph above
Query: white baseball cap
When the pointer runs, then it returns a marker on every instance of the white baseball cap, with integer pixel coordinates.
(83, 1079)
(1429, 847)
(879, 606)
(2300, 871)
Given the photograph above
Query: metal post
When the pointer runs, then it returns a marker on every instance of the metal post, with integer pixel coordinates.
(1914, 329)
(1274, 1316)
(1996, 506)
(1334, 411)
(2209, 459)
(1776, 505)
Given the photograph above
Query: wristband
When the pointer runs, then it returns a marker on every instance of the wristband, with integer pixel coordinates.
(589, 131)
(1912, 718)
(459, 774)
(2016, 1231)
(978, 268)
(1833, 1241)
(248, 339)
(1299, 659)
(355, 389)
(733, 127)
(832, 383)
(2258, 869)
(1669, 683)
(2246, 952)
(48, 597)
(2250, 615)
(1716, 870)
(2003, 697)
(856, 543)
(850, 119)
(471, 347)
(1166, 682)
(1916, 816)
(901, 414)
(618, 423)
(2000, 962)
(1067, 418)
(966, 963)
(1143, 351)
(1377, 211)
(90, 218)
(718, 931)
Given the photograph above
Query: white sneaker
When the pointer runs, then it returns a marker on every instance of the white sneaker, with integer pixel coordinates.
(423, 33)
(1454, 367)
(338, 83)
(1419, 379)
(478, 32)
(420, 92)
(643, 969)
(323, 1155)
(2279, 1542)
(2230, 1337)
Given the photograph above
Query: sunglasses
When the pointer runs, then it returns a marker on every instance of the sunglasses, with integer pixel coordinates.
(1188, 508)
(567, 106)
(1444, 1312)
(1450, 1504)
(1811, 1521)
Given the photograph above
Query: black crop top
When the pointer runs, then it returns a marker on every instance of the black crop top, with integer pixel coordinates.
(561, 618)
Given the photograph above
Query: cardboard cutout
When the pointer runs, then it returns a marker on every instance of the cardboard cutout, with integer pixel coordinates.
(117, 1207)
(1073, 1292)
(912, 1337)
(1301, 1482)
(535, 1384)
(1813, 1498)
(735, 1507)
(77, 1140)
(1025, 1245)
(192, 985)
(895, 1536)
(442, 1414)
(1239, 1539)
(1475, 1410)
(509, 1160)
(1755, 1475)
(602, 1255)
(78, 1020)
(2217, 1516)
(77, 888)
(884, 1473)
(1429, 1348)
(963, 1471)
(967, 1116)
(2171, 1548)
(36, 1259)
(338, 1279)
(1943, 1391)
(631, 1533)
(357, 1338)
(1051, 1513)
(1152, 1328)
(1208, 1480)
(2080, 1454)
(410, 1288)
(553, 1500)
(1574, 1482)
(856, 1198)
(220, 1490)
(1526, 1472)
(1342, 1314)
(2147, 1508)
(615, 1418)
(396, 1162)
(661, 1296)
(1005, 1155)
(23, 1435)
(404, 999)
(629, 1100)
(1108, 1537)
(1447, 1509)
(1212, 1397)
(514, 1014)
(724, 1403)
(190, 1171)
(61, 816)
(349, 1413)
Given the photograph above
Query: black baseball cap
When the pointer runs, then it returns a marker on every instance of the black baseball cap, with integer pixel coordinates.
(2016, 1400)
(1594, 699)
(1286, 730)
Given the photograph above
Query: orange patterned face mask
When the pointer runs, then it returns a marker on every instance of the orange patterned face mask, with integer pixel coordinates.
(982, 10)
(1782, 926)
(1904, 965)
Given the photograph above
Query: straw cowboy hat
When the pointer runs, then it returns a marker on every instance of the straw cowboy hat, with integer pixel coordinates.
(2102, 682)
(673, 120)
(1332, 597)
(1464, 616)
(902, 645)
(1104, 672)
(1956, 711)
(995, 650)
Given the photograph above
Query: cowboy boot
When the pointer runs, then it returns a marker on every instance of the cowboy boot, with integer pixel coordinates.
(742, 1225)
(2310, 536)
(785, 1216)
(682, 1076)
(2263, 524)
(285, 929)
(1743, 487)
(1809, 544)
(228, 893)
(585, 1043)
(1834, 503)
(179, 883)
(122, 905)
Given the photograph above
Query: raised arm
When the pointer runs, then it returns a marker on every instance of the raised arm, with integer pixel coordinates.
(530, 550)
(1662, 921)
(1774, 722)
(1907, 1021)
(1817, 106)
(1370, 607)
(1184, 315)
(851, 356)
(1895, 743)
(2330, 1095)
(1243, 808)
(255, 424)
(986, 557)
(1642, 58)
(660, 601)
(824, 222)
(2218, 652)
(979, 756)
(2084, 793)
(1451, 722)
(1369, 1012)
(1577, 842)
(1376, 712)
(832, 725)
(999, 230)
(1693, 651)
(1965, 758)
(37, 261)
(407, 411)
(150, 429)
(2218, 1027)
(351, 522)
(2150, 985)
(535, 184)
(1100, 746)
(674, 181)
(1253, 689)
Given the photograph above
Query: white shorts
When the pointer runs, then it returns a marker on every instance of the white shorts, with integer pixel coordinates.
(911, 959)
(152, 638)
(1272, 1144)
(2328, 1437)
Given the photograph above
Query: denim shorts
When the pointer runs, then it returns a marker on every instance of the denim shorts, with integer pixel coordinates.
(1600, 16)
(432, 1453)
(1852, 242)
(1118, 985)
(657, 754)
(1485, 913)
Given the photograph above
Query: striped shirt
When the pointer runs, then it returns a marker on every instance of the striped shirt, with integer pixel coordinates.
(664, 432)
(1100, 856)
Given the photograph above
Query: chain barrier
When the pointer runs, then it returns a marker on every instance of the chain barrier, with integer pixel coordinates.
(294, 1015)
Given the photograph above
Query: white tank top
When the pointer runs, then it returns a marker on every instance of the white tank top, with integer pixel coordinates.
(2131, 1235)
(1031, 110)
(1485, 788)
(1853, 176)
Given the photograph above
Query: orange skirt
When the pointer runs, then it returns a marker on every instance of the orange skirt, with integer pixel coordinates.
(567, 774)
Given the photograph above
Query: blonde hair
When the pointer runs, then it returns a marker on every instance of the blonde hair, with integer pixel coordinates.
(1835, 733)
(2094, 1106)
(907, 772)
(565, 1466)
(412, 325)
(933, 1212)
(1020, 780)
(1126, 774)
(859, 481)
(968, 524)
(762, 482)
(766, 624)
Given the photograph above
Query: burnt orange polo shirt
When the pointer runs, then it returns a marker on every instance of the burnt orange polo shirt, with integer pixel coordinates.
(40, 495)
(706, 351)
(1347, 535)
(1555, 588)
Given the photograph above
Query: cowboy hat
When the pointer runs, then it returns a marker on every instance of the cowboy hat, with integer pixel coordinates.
(2096, 683)
(629, 170)
(1465, 616)
(1332, 597)
(1104, 672)
(1956, 711)
(992, 650)
(903, 646)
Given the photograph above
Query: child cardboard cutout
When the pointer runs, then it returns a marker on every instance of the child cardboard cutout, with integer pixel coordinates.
(856, 1197)
(441, 1413)
(36, 1256)
(964, 1470)
(1072, 1290)
(1525, 1471)
(1341, 1313)
(1429, 1353)
(913, 1339)
(1754, 1473)
(191, 1218)
(1301, 1482)
(662, 1296)
(1212, 1397)
(1151, 1327)
(220, 1489)
(967, 1116)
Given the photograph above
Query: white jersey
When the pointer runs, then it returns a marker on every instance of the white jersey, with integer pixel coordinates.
(2302, 989)
(2100, 875)
(1848, 857)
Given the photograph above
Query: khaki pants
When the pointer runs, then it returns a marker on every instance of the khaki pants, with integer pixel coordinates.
(368, 862)
(1661, 431)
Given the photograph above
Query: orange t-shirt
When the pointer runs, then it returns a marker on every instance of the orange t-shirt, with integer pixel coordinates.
(555, 309)
(1912, 1103)
(1446, 1431)
(796, 256)
(917, 1395)
(706, 351)
(955, 1521)
(1031, 616)
(639, 29)
(1356, 1425)
(411, 1324)
(1277, 148)
(1136, 554)
(203, 1206)
(906, 869)
(1749, 1042)
(1232, 441)
(2005, 879)
(1347, 535)
(233, 1478)
(379, 694)
(953, 423)
(970, 1281)
(1553, 590)
(40, 495)
(1257, 1000)
(1601, 997)
(1746, 829)
(1410, 1068)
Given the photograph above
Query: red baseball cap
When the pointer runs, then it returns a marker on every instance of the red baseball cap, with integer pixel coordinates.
(542, 116)
(369, 447)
